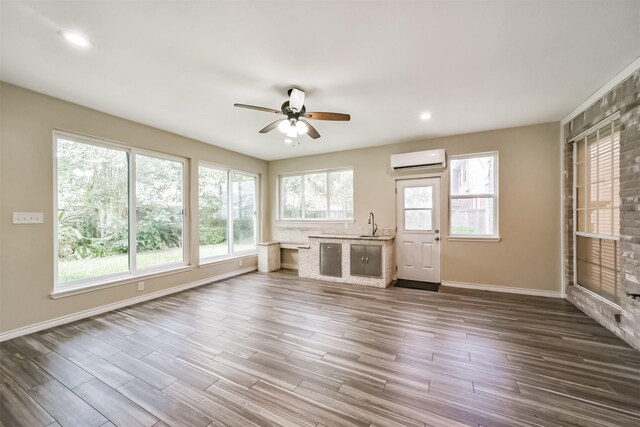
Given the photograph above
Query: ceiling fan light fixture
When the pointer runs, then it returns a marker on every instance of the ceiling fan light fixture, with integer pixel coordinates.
(301, 127)
(284, 126)
(292, 132)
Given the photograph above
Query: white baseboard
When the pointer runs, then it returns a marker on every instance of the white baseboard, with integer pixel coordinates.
(289, 266)
(504, 289)
(26, 330)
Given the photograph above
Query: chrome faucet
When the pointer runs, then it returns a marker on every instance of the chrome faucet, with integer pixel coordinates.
(372, 221)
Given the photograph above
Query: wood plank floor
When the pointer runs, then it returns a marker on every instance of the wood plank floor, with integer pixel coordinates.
(274, 349)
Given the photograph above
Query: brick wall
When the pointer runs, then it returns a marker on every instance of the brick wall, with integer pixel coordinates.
(624, 98)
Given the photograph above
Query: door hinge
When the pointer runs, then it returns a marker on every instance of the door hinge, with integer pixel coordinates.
(396, 268)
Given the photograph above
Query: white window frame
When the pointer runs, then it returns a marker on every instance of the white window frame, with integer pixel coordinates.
(311, 172)
(132, 215)
(609, 121)
(495, 196)
(231, 254)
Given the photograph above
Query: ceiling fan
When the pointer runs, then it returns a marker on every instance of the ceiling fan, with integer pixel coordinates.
(295, 124)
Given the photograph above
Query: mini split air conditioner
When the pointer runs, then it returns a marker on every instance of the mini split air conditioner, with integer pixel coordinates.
(419, 159)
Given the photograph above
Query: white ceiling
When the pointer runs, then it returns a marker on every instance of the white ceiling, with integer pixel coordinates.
(180, 65)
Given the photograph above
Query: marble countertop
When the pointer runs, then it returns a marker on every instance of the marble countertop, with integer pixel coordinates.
(350, 237)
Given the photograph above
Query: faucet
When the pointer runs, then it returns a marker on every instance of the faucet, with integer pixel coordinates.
(372, 221)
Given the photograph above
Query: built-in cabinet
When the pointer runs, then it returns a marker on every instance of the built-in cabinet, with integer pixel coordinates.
(354, 259)
(366, 260)
(331, 259)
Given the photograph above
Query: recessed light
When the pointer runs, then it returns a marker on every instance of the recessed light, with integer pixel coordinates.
(288, 141)
(75, 38)
(425, 116)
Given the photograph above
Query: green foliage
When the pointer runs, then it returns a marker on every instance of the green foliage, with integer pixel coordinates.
(213, 235)
(461, 229)
(158, 228)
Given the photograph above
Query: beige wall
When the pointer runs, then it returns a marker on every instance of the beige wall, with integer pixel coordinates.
(528, 256)
(26, 174)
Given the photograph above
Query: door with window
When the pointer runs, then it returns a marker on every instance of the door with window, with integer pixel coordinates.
(418, 235)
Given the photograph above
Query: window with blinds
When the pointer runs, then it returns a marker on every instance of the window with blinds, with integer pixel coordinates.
(597, 209)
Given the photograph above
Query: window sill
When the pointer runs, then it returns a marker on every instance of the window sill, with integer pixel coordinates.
(473, 239)
(215, 261)
(314, 221)
(81, 289)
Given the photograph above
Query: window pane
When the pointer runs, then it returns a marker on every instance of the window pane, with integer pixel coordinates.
(580, 201)
(580, 215)
(605, 160)
(580, 174)
(592, 158)
(244, 212)
(159, 204)
(605, 221)
(616, 149)
(315, 195)
(93, 211)
(604, 194)
(472, 216)
(591, 221)
(473, 176)
(598, 266)
(341, 194)
(291, 187)
(579, 151)
(418, 219)
(214, 212)
(418, 197)
(592, 196)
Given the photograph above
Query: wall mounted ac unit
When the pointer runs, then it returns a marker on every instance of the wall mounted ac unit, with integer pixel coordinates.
(419, 159)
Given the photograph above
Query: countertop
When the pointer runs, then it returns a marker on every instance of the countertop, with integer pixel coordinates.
(351, 237)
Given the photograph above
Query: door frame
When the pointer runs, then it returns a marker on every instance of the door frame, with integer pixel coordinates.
(439, 175)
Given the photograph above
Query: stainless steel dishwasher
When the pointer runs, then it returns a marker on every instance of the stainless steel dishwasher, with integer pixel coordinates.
(331, 259)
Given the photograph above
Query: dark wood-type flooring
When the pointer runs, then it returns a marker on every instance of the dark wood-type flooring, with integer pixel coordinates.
(275, 349)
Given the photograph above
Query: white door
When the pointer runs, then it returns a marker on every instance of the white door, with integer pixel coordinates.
(418, 235)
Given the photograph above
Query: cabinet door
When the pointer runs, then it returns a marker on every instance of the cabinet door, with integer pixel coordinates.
(358, 254)
(373, 261)
(331, 259)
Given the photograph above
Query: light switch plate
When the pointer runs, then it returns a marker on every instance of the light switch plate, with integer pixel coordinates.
(28, 217)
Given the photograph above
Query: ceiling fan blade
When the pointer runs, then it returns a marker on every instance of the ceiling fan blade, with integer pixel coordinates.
(271, 126)
(254, 107)
(296, 99)
(328, 116)
(311, 131)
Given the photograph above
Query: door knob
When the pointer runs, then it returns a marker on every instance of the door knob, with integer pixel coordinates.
(437, 239)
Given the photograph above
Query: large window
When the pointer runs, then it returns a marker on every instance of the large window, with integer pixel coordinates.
(597, 206)
(473, 206)
(228, 212)
(120, 211)
(322, 195)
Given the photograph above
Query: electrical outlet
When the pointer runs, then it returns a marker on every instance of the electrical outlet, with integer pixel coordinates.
(28, 217)
(240, 262)
(140, 286)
